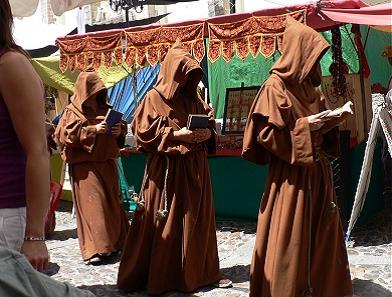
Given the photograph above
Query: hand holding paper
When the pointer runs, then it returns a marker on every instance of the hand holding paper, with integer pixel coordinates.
(340, 111)
(337, 116)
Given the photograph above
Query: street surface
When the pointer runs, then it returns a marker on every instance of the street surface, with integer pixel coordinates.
(370, 259)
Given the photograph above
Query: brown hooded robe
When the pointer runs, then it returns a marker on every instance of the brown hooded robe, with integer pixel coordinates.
(299, 242)
(101, 220)
(180, 251)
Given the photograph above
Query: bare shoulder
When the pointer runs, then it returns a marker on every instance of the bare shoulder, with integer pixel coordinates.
(13, 59)
(15, 66)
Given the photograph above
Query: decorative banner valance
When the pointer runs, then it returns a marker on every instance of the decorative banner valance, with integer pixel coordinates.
(152, 45)
(256, 34)
(90, 51)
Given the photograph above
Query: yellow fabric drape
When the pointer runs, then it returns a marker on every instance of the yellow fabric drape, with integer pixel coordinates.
(50, 73)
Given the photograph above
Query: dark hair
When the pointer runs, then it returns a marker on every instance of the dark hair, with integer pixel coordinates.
(6, 23)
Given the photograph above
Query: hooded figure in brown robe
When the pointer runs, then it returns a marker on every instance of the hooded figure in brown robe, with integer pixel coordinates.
(299, 249)
(171, 244)
(91, 151)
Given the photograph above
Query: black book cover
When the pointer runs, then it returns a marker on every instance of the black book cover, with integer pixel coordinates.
(112, 118)
(197, 121)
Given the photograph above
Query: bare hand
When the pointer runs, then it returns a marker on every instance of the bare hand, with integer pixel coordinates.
(101, 128)
(37, 253)
(184, 135)
(316, 121)
(116, 130)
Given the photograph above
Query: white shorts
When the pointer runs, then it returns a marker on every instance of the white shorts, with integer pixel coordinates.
(12, 227)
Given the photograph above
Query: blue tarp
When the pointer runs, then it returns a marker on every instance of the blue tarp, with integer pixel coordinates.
(122, 95)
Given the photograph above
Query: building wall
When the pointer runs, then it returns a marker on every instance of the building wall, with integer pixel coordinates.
(46, 12)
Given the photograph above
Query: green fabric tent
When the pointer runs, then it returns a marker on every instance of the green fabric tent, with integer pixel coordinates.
(376, 43)
(254, 71)
(50, 73)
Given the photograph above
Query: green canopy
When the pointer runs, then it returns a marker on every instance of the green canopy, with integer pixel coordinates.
(254, 71)
(50, 73)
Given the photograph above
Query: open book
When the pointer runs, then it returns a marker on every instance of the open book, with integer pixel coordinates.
(340, 111)
(337, 116)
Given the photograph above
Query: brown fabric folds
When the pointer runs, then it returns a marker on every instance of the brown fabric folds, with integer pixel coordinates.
(288, 94)
(101, 220)
(299, 223)
(301, 49)
(180, 251)
(76, 135)
(100, 217)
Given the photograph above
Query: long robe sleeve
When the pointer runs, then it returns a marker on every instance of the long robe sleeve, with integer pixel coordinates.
(71, 132)
(78, 140)
(272, 129)
(153, 129)
(293, 146)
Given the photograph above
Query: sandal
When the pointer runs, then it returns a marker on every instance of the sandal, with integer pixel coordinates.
(95, 260)
(223, 283)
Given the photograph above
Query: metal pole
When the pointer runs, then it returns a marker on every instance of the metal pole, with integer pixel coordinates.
(127, 14)
(232, 6)
(134, 83)
(362, 81)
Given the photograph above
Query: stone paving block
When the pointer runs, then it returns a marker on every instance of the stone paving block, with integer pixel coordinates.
(369, 255)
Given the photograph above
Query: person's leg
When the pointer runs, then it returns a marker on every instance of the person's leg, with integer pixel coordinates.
(12, 227)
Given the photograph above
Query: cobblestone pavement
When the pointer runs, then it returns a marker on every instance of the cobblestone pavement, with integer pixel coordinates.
(370, 259)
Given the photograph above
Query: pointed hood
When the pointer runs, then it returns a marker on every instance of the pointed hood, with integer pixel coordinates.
(87, 84)
(175, 70)
(302, 47)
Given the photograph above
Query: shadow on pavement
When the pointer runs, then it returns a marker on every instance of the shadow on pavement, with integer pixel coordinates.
(366, 288)
(64, 234)
(248, 227)
(64, 206)
(237, 273)
(377, 231)
(112, 291)
(104, 290)
(52, 269)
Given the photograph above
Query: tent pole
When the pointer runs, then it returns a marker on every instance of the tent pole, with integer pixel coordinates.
(362, 81)
(366, 39)
(134, 84)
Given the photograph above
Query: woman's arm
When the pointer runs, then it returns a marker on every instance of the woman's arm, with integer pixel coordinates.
(22, 91)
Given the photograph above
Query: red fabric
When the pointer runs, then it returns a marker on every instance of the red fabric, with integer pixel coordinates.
(377, 15)
(313, 19)
(96, 49)
(228, 152)
(361, 52)
(55, 194)
(256, 34)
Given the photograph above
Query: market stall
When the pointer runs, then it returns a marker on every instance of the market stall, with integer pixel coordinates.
(233, 45)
